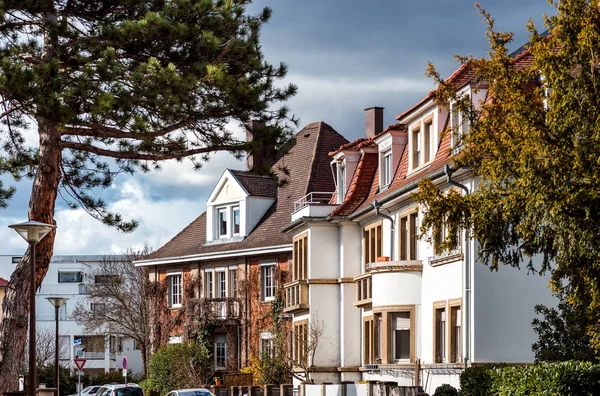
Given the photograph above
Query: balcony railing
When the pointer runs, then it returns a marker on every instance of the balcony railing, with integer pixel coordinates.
(314, 198)
(220, 308)
(395, 266)
(94, 355)
(296, 296)
(364, 290)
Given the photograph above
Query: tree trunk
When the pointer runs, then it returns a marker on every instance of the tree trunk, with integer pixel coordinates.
(13, 329)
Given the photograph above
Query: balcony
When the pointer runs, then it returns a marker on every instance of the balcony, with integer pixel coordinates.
(220, 308)
(315, 204)
(395, 266)
(296, 296)
(364, 291)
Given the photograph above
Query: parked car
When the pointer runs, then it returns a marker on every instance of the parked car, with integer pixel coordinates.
(89, 391)
(191, 392)
(120, 390)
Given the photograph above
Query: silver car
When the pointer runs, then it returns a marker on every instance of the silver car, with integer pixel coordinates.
(191, 392)
(120, 390)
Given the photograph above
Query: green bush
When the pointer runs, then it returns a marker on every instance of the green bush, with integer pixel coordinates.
(548, 379)
(178, 366)
(445, 390)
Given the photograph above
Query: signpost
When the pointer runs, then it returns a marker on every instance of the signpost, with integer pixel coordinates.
(124, 363)
(79, 363)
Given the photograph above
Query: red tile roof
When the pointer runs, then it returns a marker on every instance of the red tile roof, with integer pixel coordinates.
(3, 282)
(306, 161)
(359, 187)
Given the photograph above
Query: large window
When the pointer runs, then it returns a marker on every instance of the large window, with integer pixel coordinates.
(221, 285)
(301, 342)
(459, 125)
(175, 288)
(447, 341)
(232, 283)
(368, 341)
(386, 168)
(98, 309)
(227, 221)
(208, 284)
(400, 332)
(221, 351)
(300, 257)
(440, 334)
(372, 242)
(70, 277)
(267, 345)
(409, 231)
(267, 271)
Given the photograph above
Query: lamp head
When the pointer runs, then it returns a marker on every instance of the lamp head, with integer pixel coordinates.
(57, 301)
(32, 231)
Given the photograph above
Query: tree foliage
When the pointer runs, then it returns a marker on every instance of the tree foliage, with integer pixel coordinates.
(120, 293)
(562, 333)
(179, 366)
(112, 87)
(534, 146)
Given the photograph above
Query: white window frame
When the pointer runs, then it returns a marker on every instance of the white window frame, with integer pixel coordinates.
(268, 292)
(239, 216)
(457, 126)
(220, 346)
(341, 181)
(209, 283)
(222, 211)
(386, 167)
(221, 283)
(267, 340)
(175, 299)
(232, 283)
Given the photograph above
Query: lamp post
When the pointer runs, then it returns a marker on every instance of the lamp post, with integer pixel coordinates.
(57, 302)
(32, 232)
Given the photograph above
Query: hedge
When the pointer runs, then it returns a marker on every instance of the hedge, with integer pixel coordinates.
(549, 379)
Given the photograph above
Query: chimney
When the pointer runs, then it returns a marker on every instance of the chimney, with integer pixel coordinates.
(259, 158)
(373, 121)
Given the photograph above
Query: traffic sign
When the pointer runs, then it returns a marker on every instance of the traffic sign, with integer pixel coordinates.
(79, 363)
(124, 372)
(77, 341)
(124, 362)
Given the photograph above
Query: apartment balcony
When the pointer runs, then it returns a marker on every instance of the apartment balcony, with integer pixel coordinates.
(364, 291)
(220, 308)
(315, 204)
(395, 266)
(296, 296)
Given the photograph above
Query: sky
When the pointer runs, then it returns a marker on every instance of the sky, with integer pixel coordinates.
(344, 56)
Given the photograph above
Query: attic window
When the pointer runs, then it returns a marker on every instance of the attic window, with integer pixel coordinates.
(227, 223)
(386, 168)
(341, 177)
(459, 125)
(222, 222)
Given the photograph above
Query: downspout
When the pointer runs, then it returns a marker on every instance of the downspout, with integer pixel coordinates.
(377, 207)
(467, 272)
(247, 318)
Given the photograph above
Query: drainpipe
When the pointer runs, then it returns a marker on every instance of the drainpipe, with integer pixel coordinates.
(377, 207)
(467, 272)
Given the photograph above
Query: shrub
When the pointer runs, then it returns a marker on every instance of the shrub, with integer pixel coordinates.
(445, 390)
(179, 366)
(477, 381)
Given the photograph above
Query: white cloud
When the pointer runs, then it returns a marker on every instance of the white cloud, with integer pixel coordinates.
(79, 233)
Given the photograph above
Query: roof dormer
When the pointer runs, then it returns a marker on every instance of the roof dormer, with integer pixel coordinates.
(344, 163)
(390, 145)
(238, 202)
(424, 124)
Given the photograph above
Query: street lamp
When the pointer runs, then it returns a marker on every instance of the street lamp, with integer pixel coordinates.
(32, 232)
(57, 302)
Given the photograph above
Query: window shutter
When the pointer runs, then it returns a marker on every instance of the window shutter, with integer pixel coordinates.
(401, 321)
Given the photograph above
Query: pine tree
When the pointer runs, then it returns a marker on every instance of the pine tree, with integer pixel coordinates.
(535, 147)
(115, 87)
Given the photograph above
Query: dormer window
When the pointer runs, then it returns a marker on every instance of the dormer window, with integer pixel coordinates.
(459, 125)
(228, 221)
(341, 177)
(222, 222)
(386, 168)
(236, 220)
(422, 141)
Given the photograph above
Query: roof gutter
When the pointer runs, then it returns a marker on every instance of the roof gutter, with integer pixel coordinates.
(298, 222)
(213, 256)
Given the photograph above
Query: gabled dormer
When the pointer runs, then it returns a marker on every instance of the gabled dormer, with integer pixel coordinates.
(344, 164)
(237, 203)
(390, 145)
(459, 120)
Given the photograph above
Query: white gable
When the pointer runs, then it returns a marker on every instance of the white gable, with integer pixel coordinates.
(227, 189)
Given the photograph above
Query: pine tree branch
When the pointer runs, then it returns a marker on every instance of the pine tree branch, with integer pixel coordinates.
(103, 131)
(134, 155)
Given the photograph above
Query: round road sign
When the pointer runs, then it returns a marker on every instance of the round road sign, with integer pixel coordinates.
(124, 362)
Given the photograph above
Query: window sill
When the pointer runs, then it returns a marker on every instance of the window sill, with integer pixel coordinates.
(220, 241)
(446, 258)
(176, 306)
(267, 300)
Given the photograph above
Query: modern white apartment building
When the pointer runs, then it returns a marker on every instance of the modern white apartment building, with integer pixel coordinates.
(66, 278)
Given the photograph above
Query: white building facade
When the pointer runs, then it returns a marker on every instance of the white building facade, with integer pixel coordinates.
(66, 278)
(394, 309)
